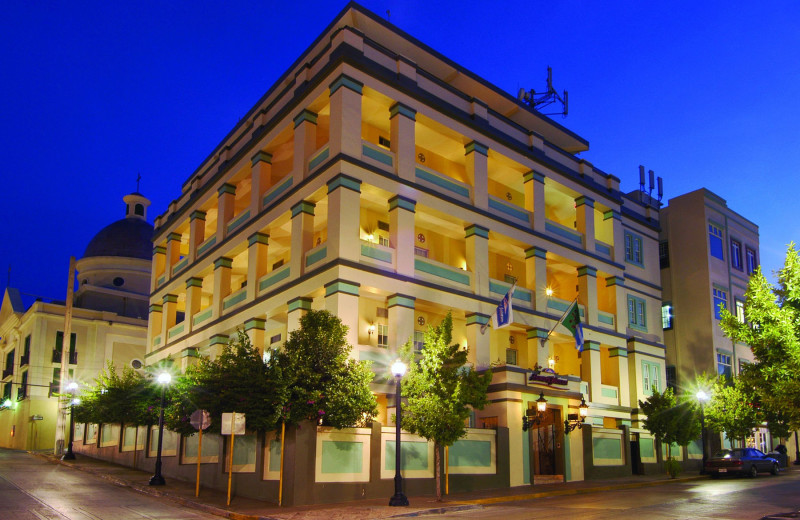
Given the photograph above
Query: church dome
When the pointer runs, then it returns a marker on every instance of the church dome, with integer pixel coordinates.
(128, 237)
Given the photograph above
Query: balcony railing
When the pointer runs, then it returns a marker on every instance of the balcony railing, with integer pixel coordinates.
(442, 183)
(238, 220)
(277, 275)
(606, 318)
(376, 153)
(554, 228)
(509, 210)
(275, 192)
(521, 294)
(318, 157)
(316, 254)
(377, 254)
(206, 245)
(560, 306)
(8, 372)
(180, 265)
(73, 356)
(608, 395)
(602, 248)
(24, 360)
(202, 316)
(234, 298)
(443, 272)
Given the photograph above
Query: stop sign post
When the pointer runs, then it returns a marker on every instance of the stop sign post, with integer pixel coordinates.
(200, 420)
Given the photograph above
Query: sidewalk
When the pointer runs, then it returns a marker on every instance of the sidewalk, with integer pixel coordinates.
(242, 508)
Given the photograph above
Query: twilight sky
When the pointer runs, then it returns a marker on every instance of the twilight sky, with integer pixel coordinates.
(704, 93)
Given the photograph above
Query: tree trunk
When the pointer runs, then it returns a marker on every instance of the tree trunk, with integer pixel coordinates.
(437, 472)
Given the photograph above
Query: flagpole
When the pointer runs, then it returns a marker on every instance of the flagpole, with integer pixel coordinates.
(561, 319)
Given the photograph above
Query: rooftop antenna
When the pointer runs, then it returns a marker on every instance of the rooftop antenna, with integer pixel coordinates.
(660, 188)
(138, 178)
(652, 182)
(641, 178)
(388, 16)
(541, 100)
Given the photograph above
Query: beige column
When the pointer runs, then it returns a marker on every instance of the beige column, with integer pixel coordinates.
(169, 308)
(226, 194)
(298, 307)
(584, 209)
(516, 463)
(401, 320)
(194, 291)
(257, 248)
(479, 344)
(477, 249)
(620, 355)
(302, 236)
(536, 275)
(341, 299)
(344, 202)
(222, 283)
(173, 252)
(590, 367)
(477, 166)
(305, 144)
(254, 328)
(619, 235)
(534, 199)
(402, 121)
(154, 328)
(538, 352)
(345, 127)
(215, 345)
(159, 267)
(401, 233)
(587, 292)
(197, 232)
(260, 179)
(619, 302)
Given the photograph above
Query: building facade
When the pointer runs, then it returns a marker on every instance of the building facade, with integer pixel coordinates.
(109, 323)
(383, 182)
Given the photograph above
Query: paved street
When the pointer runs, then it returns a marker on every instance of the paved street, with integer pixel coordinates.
(33, 489)
(730, 499)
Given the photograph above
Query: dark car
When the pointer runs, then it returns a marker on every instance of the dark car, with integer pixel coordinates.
(741, 461)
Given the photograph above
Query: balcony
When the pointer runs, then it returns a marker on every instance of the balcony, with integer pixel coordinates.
(206, 245)
(377, 255)
(22, 392)
(238, 220)
(443, 184)
(509, 211)
(554, 228)
(606, 318)
(180, 265)
(608, 395)
(273, 278)
(176, 330)
(561, 306)
(316, 254)
(318, 158)
(234, 299)
(276, 191)
(439, 272)
(202, 316)
(73, 356)
(521, 295)
(603, 249)
(376, 154)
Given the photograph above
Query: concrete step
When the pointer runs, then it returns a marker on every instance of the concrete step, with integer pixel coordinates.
(547, 479)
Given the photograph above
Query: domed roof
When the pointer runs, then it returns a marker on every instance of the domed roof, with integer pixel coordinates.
(128, 237)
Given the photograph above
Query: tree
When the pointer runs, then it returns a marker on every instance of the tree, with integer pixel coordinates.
(441, 391)
(118, 398)
(772, 329)
(320, 381)
(731, 409)
(670, 421)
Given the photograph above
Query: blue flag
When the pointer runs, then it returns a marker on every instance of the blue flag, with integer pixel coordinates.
(504, 314)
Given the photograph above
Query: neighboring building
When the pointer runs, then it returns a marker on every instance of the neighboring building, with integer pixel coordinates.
(108, 324)
(381, 181)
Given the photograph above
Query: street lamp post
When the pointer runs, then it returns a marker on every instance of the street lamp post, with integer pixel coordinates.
(703, 398)
(398, 499)
(72, 387)
(163, 379)
(796, 449)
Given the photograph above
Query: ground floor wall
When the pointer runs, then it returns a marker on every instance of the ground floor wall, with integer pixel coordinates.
(29, 424)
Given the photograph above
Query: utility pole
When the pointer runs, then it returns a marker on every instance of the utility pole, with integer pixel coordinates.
(61, 416)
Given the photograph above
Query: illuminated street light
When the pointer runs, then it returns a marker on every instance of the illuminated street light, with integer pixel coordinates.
(398, 499)
(703, 398)
(71, 388)
(163, 379)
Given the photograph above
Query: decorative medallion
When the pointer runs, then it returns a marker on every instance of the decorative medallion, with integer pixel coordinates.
(421, 238)
(508, 195)
(421, 157)
(511, 339)
(421, 320)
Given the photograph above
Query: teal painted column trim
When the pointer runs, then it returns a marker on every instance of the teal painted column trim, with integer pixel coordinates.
(398, 201)
(403, 110)
(159, 250)
(617, 352)
(173, 236)
(344, 181)
(587, 270)
(255, 324)
(591, 345)
(347, 82)
(258, 238)
(303, 207)
(538, 252)
(261, 156)
(342, 286)
(401, 300)
(305, 115)
(226, 188)
(218, 339)
(169, 298)
(194, 282)
(223, 261)
(584, 200)
(615, 280)
(198, 215)
(475, 146)
(190, 352)
(612, 214)
(154, 307)
(533, 176)
(301, 303)
(477, 319)
(477, 230)
(537, 333)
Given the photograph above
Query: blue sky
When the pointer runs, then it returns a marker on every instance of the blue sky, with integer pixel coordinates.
(704, 93)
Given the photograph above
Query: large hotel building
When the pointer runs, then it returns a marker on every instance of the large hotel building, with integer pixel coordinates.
(381, 181)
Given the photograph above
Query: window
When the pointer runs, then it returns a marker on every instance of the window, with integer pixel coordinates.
(720, 299)
(138, 209)
(715, 241)
(7, 391)
(419, 340)
(277, 264)
(9, 368)
(752, 261)
(743, 363)
(739, 310)
(383, 335)
(736, 254)
(420, 251)
(633, 249)
(637, 313)
(671, 377)
(23, 387)
(650, 377)
(511, 356)
(384, 241)
(663, 254)
(666, 316)
(60, 343)
(723, 364)
(275, 339)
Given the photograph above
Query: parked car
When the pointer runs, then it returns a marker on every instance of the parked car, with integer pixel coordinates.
(741, 461)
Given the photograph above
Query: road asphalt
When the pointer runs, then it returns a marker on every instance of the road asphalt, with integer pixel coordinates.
(243, 508)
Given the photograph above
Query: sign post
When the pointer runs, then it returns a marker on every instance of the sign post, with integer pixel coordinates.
(232, 424)
(200, 420)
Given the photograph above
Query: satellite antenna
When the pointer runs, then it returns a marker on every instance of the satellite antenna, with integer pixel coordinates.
(541, 100)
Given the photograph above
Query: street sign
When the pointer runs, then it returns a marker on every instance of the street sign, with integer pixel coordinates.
(200, 419)
(238, 423)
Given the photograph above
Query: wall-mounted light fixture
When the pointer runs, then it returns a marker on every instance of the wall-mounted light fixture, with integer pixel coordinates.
(533, 417)
(371, 329)
(576, 420)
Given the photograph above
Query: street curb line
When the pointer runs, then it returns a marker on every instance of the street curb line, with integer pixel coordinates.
(438, 511)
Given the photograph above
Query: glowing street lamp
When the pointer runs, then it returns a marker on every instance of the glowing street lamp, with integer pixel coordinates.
(703, 398)
(163, 379)
(398, 499)
(72, 388)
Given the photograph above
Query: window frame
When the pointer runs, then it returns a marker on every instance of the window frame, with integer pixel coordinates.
(715, 240)
(421, 335)
(634, 249)
(751, 266)
(651, 379)
(736, 255)
(719, 295)
(383, 334)
(720, 363)
(670, 316)
(637, 313)
(739, 306)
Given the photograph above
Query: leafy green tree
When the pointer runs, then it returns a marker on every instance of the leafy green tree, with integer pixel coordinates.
(320, 382)
(772, 329)
(125, 397)
(441, 391)
(731, 409)
(671, 421)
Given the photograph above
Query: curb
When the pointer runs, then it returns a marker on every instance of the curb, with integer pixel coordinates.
(438, 511)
